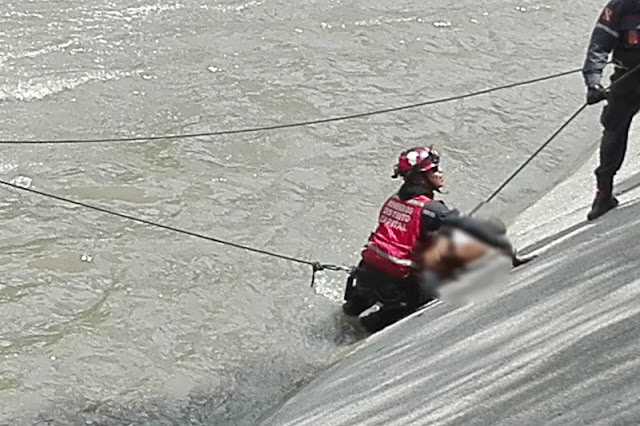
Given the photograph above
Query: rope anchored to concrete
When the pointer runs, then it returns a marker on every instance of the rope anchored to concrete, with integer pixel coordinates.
(529, 160)
(548, 141)
(315, 266)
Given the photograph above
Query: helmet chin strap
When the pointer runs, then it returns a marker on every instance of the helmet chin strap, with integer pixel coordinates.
(438, 190)
(426, 183)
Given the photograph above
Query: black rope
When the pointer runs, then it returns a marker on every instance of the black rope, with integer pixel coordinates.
(530, 159)
(549, 140)
(316, 266)
(291, 125)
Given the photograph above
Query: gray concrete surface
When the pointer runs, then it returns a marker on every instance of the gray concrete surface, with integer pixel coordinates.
(558, 346)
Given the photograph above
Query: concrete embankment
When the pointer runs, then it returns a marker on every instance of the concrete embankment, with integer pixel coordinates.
(558, 345)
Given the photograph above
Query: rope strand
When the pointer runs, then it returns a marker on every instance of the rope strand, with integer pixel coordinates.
(291, 125)
(316, 266)
(549, 140)
(158, 225)
(530, 159)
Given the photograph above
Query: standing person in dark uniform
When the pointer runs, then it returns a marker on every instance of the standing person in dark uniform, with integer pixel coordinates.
(617, 31)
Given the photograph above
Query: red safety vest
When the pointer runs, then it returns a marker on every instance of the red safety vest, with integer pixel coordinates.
(391, 248)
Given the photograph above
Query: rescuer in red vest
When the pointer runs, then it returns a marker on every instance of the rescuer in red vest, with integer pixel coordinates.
(391, 280)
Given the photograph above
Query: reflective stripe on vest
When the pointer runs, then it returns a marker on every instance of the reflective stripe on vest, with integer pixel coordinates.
(397, 261)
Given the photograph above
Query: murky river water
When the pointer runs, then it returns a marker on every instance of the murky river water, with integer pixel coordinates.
(105, 321)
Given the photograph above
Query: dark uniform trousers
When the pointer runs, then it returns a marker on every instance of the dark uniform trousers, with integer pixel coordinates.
(622, 105)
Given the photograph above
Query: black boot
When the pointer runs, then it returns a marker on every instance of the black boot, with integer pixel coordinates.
(381, 315)
(356, 298)
(355, 306)
(604, 200)
(602, 204)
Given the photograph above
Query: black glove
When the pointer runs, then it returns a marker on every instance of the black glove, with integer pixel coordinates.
(596, 93)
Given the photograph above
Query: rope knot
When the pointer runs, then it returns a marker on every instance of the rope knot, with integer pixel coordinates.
(317, 267)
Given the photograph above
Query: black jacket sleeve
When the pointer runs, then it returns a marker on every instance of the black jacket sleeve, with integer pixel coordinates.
(480, 230)
(436, 215)
(604, 39)
(432, 216)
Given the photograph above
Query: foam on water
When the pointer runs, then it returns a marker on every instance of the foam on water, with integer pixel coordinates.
(232, 8)
(38, 88)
